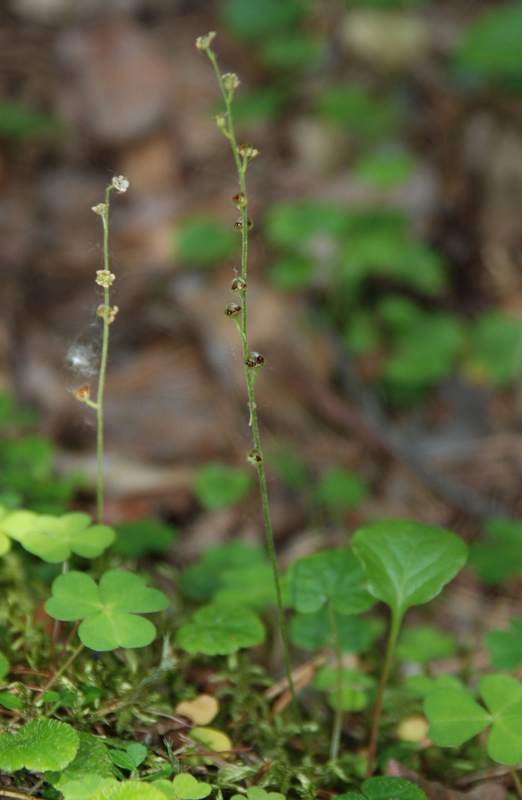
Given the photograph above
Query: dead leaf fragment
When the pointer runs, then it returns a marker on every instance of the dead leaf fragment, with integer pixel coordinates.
(201, 710)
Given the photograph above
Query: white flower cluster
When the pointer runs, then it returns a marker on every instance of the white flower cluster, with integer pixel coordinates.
(120, 183)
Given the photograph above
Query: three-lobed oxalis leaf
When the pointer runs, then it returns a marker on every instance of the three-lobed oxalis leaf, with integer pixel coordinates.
(385, 789)
(407, 563)
(39, 746)
(331, 576)
(455, 717)
(55, 539)
(109, 610)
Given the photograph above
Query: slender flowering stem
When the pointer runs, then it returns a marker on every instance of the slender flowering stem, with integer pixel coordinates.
(242, 155)
(103, 362)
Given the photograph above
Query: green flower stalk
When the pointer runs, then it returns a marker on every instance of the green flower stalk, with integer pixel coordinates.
(238, 311)
(104, 278)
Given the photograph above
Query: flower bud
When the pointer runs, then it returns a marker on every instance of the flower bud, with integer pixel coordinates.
(239, 200)
(247, 151)
(238, 285)
(254, 360)
(120, 183)
(105, 278)
(238, 224)
(82, 394)
(99, 209)
(255, 457)
(230, 81)
(204, 42)
(112, 312)
(221, 120)
(232, 310)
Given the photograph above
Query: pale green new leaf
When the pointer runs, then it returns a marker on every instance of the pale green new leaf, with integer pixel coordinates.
(455, 717)
(407, 563)
(39, 746)
(54, 539)
(130, 790)
(87, 787)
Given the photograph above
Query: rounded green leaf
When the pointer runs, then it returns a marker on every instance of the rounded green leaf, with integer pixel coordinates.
(407, 563)
(5, 543)
(218, 485)
(391, 789)
(75, 595)
(18, 523)
(125, 591)
(455, 717)
(333, 576)
(339, 489)
(39, 746)
(505, 647)
(424, 644)
(111, 629)
(53, 539)
(86, 788)
(186, 787)
(314, 631)
(220, 630)
(129, 790)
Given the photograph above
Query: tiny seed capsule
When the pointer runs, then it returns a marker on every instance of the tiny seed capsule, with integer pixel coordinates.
(239, 199)
(82, 394)
(247, 151)
(238, 285)
(238, 225)
(254, 360)
(232, 310)
(220, 120)
(255, 457)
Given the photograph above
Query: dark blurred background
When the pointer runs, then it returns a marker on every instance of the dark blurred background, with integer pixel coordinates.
(385, 260)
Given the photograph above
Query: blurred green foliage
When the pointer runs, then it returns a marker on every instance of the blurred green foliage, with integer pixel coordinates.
(490, 47)
(203, 242)
(19, 122)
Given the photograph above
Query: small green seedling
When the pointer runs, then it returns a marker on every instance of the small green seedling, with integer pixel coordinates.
(385, 789)
(332, 580)
(39, 746)
(340, 489)
(332, 577)
(500, 557)
(424, 644)
(203, 579)
(221, 629)
(406, 564)
(218, 486)
(455, 717)
(505, 647)
(355, 690)
(109, 612)
(131, 758)
(143, 536)
(55, 539)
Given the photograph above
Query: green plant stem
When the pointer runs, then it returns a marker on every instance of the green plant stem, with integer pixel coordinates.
(392, 641)
(60, 672)
(338, 714)
(516, 781)
(241, 165)
(103, 363)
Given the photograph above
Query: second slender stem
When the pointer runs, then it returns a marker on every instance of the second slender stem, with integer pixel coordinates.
(103, 362)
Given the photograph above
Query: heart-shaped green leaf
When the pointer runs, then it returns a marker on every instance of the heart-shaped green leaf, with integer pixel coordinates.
(16, 524)
(386, 789)
(129, 790)
(54, 539)
(108, 610)
(87, 787)
(186, 787)
(219, 629)
(39, 746)
(333, 576)
(407, 563)
(455, 717)
(314, 631)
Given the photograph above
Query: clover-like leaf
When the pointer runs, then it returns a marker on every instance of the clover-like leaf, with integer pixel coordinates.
(109, 610)
(219, 629)
(407, 563)
(455, 717)
(258, 793)
(186, 787)
(333, 576)
(42, 745)
(386, 789)
(500, 556)
(54, 539)
(92, 757)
